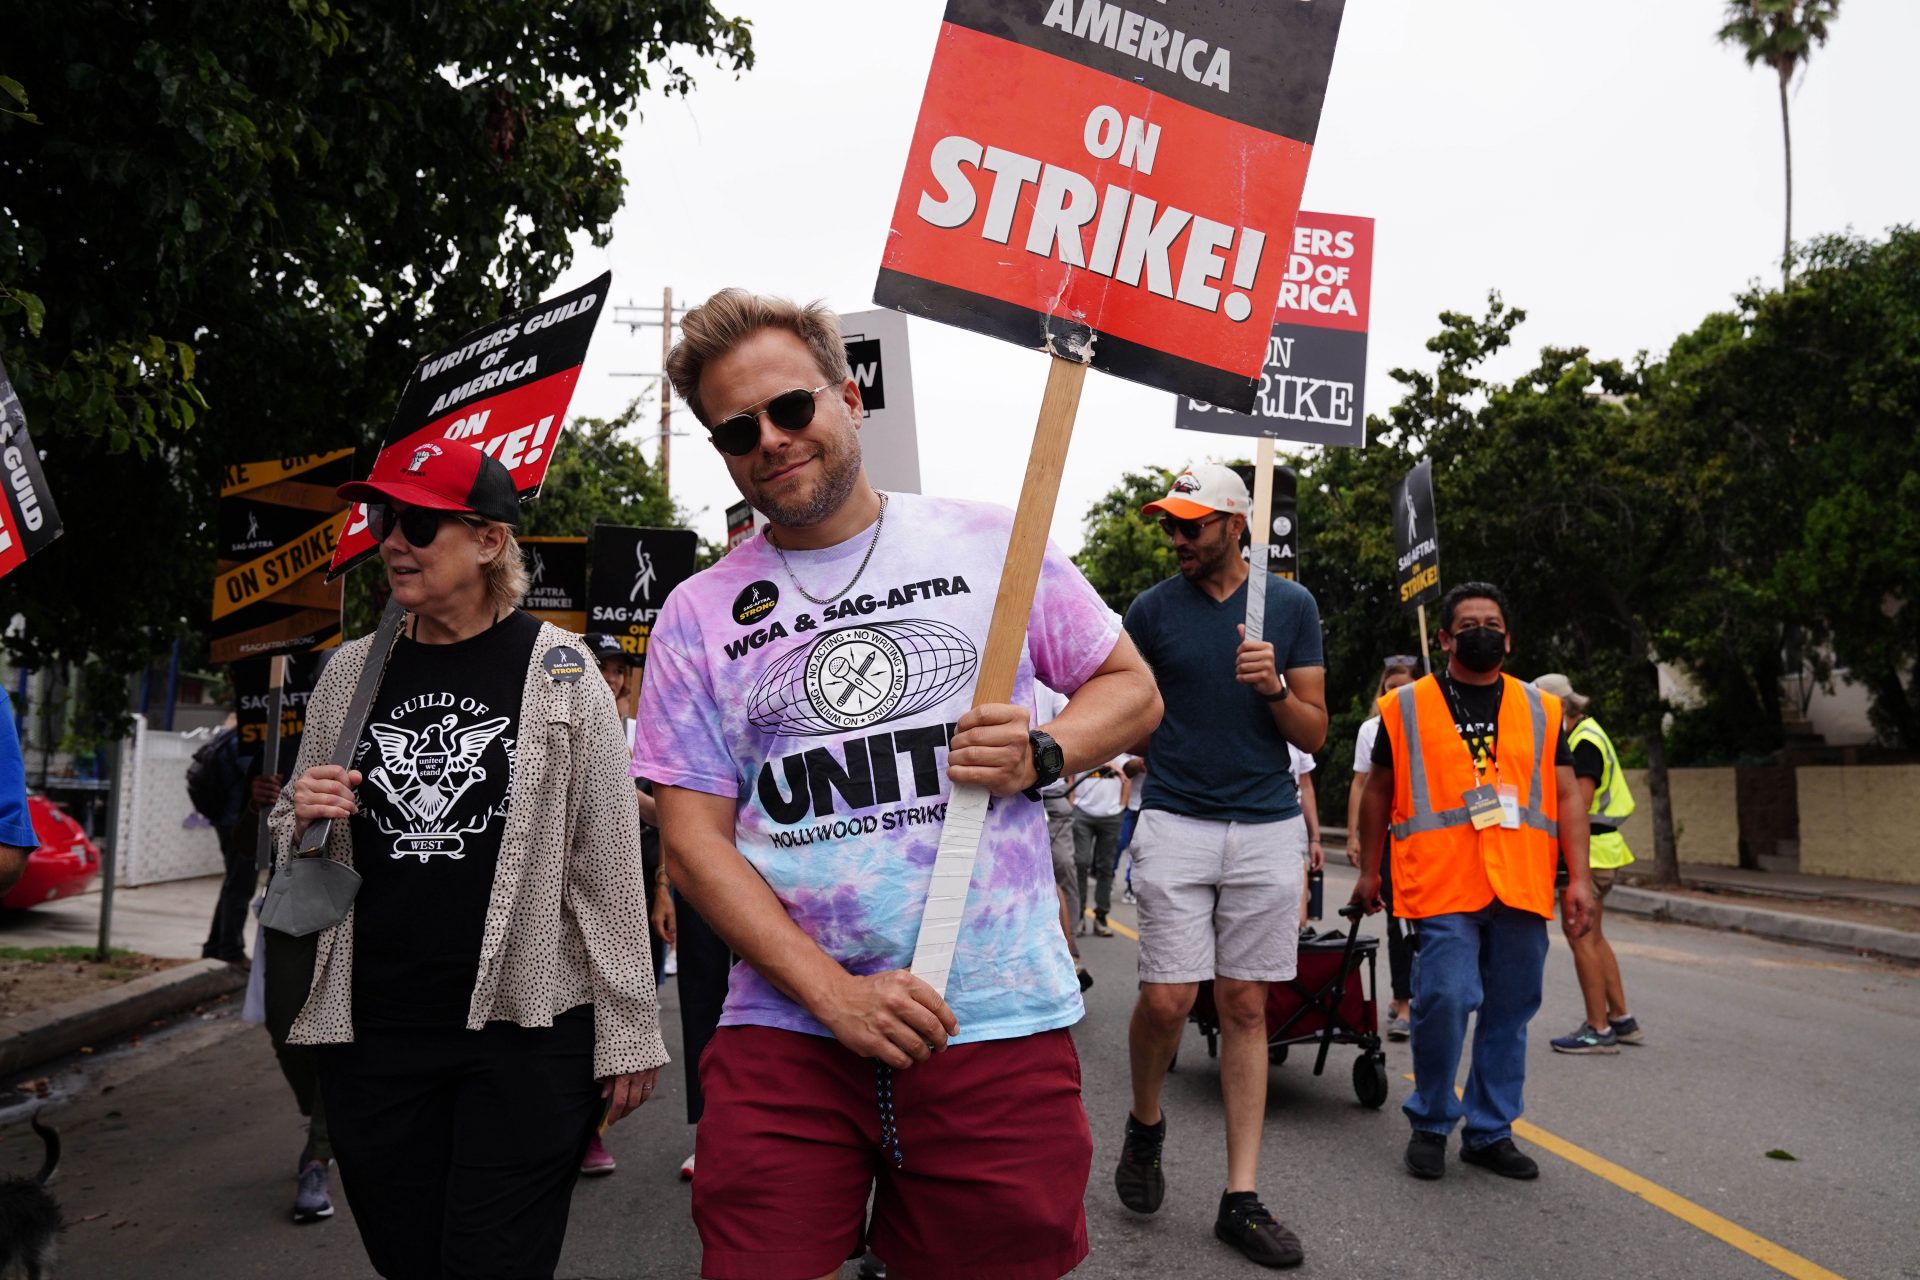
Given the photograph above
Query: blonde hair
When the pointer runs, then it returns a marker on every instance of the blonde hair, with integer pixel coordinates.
(733, 315)
(506, 573)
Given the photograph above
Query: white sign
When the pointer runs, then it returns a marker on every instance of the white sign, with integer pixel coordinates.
(877, 356)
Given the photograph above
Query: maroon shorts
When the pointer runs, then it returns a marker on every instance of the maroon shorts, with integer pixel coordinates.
(995, 1144)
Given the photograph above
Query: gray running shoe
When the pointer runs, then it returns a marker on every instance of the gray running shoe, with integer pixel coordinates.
(1627, 1030)
(1399, 1029)
(312, 1202)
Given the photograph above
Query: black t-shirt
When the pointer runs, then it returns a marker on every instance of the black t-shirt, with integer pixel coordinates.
(1476, 714)
(1588, 762)
(436, 762)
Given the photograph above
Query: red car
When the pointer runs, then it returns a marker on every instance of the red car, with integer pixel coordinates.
(65, 863)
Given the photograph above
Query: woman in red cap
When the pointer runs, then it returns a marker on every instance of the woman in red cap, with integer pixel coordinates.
(488, 1002)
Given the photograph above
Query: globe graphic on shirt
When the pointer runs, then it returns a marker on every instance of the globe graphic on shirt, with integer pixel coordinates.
(869, 673)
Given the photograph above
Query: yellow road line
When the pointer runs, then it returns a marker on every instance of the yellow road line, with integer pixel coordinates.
(1782, 1260)
(1115, 925)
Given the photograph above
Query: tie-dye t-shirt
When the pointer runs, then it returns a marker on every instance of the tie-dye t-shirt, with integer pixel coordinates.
(828, 724)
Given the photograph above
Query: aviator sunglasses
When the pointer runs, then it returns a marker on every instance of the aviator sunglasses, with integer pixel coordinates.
(789, 411)
(421, 525)
(1188, 529)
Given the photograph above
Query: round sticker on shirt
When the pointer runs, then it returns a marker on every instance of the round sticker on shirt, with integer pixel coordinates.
(755, 601)
(564, 664)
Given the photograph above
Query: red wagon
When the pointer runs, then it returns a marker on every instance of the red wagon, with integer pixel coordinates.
(1328, 1002)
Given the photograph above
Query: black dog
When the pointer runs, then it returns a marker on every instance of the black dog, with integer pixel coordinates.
(29, 1217)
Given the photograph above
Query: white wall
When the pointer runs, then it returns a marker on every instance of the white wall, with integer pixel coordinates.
(162, 837)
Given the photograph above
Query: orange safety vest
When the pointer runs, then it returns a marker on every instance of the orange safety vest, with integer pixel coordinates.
(1441, 864)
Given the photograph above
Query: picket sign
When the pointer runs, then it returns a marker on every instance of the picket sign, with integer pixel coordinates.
(1117, 189)
(967, 805)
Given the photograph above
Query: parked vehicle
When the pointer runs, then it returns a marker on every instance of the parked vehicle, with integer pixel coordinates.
(65, 863)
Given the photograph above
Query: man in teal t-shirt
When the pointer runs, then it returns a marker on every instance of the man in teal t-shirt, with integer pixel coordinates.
(1218, 850)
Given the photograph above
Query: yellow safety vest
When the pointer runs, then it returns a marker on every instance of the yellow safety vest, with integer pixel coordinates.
(1612, 801)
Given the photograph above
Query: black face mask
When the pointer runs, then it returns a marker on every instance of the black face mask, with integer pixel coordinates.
(1480, 649)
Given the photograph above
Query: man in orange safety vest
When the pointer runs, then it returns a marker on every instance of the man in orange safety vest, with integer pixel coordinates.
(1473, 770)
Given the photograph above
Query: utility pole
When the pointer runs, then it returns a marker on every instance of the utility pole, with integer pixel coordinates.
(637, 318)
(666, 389)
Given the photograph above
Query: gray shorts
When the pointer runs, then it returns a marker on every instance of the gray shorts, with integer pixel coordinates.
(1218, 899)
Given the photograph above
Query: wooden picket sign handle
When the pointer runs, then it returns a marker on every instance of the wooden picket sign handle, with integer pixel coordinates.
(1426, 654)
(270, 755)
(1019, 577)
(1259, 528)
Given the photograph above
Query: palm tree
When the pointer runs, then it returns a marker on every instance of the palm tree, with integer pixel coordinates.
(1782, 34)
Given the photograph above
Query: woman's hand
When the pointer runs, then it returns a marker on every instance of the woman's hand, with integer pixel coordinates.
(324, 791)
(663, 921)
(627, 1093)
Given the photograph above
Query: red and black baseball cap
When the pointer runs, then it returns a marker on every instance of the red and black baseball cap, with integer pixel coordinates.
(440, 477)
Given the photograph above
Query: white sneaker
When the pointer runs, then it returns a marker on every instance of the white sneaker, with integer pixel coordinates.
(686, 1169)
(672, 965)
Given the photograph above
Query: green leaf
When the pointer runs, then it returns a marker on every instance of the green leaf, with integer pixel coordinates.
(190, 215)
(185, 353)
(36, 310)
(13, 89)
(1780, 1154)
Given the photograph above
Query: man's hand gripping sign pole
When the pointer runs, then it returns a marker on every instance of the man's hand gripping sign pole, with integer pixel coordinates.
(1114, 184)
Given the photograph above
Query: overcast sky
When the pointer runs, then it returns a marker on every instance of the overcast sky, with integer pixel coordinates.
(1609, 168)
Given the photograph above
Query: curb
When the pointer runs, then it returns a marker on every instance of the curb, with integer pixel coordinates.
(33, 1038)
(1816, 930)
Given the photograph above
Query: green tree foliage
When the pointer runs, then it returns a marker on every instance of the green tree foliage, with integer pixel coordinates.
(1803, 410)
(1124, 552)
(229, 231)
(1782, 34)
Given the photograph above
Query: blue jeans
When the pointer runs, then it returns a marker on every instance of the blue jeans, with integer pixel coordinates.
(1491, 962)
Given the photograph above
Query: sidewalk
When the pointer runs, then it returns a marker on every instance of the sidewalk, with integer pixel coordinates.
(1852, 915)
(169, 919)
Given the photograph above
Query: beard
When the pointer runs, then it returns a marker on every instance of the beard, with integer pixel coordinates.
(839, 468)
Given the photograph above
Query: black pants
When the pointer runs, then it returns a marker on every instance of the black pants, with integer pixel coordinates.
(1399, 944)
(458, 1148)
(704, 963)
(227, 935)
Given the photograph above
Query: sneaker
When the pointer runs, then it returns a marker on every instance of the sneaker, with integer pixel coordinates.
(1627, 1030)
(1080, 927)
(1086, 980)
(872, 1267)
(1138, 1178)
(1427, 1155)
(1101, 929)
(1503, 1158)
(312, 1201)
(672, 966)
(686, 1169)
(1399, 1029)
(598, 1159)
(1126, 896)
(1245, 1224)
(1584, 1039)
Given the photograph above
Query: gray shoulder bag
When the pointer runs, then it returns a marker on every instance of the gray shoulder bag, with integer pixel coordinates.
(313, 892)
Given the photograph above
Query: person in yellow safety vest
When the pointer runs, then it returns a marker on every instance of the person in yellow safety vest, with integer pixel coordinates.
(1596, 767)
(1474, 769)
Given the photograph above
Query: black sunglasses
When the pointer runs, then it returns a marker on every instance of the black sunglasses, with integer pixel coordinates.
(1402, 660)
(421, 525)
(1188, 529)
(789, 411)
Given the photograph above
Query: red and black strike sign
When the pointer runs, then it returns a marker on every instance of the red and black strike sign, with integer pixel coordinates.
(1114, 182)
(504, 389)
(28, 520)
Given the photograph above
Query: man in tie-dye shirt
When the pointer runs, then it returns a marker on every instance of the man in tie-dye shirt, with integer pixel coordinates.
(807, 707)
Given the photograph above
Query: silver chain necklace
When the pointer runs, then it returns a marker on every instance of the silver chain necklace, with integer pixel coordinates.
(871, 544)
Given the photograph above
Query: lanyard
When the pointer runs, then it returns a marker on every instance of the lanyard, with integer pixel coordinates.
(1448, 693)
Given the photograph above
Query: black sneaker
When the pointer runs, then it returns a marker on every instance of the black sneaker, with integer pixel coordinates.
(1245, 1224)
(1503, 1158)
(1427, 1155)
(1138, 1178)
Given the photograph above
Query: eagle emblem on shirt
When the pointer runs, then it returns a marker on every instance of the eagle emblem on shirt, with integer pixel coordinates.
(423, 774)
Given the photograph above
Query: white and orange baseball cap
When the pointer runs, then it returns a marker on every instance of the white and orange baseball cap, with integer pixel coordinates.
(1201, 490)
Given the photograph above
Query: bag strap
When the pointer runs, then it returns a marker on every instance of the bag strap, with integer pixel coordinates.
(358, 709)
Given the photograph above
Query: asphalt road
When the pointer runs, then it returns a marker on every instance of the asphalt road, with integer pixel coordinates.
(180, 1152)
